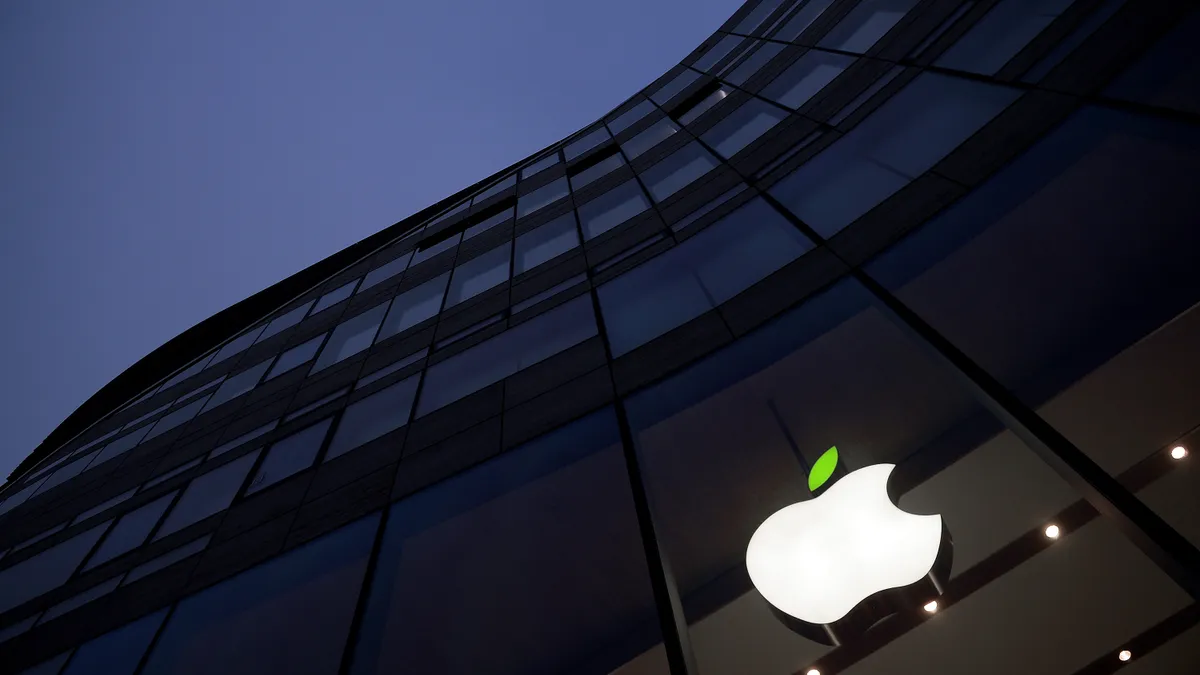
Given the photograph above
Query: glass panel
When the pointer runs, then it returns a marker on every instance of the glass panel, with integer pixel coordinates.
(479, 274)
(495, 359)
(754, 62)
(865, 24)
(246, 437)
(495, 189)
(47, 570)
(295, 356)
(316, 404)
(237, 345)
(679, 83)
(704, 105)
(158, 480)
(652, 136)
(543, 196)
(488, 223)
(130, 531)
(546, 242)
(81, 599)
(548, 293)
(103, 506)
(807, 76)
(237, 385)
(539, 165)
(187, 372)
(179, 416)
(152, 413)
(286, 321)
(389, 369)
(743, 126)
(601, 168)
(585, 143)
(385, 272)
(39, 537)
(678, 170)
(335, 296)
(754, 19)
(1168, 74)
(801, 20)
(289, 456)
(414, 306)
(612, 208)
(502, 545)
(13, 630)
(207, 494)
(351, 337)
(457, 209)
(440, 247)
(75, 468)
(709, 207)
(631, 116)
(371, 417)
(117, 652)
(1000, 34)
(904, 138)
(717, 52)
(166, 560)
(48, 667)
(705, 270)
(16, 499)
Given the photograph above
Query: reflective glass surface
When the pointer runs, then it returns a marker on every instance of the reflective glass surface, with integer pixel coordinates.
(747, 68)
(676, 85)
(285, 321)
(865, 24)
(586, 142)
(543, 196)
(807, 76)
(437, 248)
(290, 455)
(743, 126)
(678, 170)
(207, 494)
(479, 274)
(652, 136)
(385, 271)
(1000, 34)
(335, 296)
(236, 345)
(47, 570)
(718, 51)
(801, 20)
(295, 356)
(613, 161)
(545, 242)
(369, 418)
(130, 531)
(629, 117)
(414, 306)
(117, 652)
(351, 337)
(612, 208)
(236, 385)
(703, 105)
(540, 165)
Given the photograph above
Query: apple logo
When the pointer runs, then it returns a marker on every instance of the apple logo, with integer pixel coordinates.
(833, 566)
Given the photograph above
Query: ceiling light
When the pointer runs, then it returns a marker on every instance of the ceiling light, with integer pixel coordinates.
(1125, 655)
(1052, 531)
(931, 606)
(813, 671)
(1179, 452)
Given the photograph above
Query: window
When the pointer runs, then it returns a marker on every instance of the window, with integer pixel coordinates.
(177, 417)
(489, 222)
(699, 213)
(801, 20)
(160, 479)
(47, 570)
(351, 337)
(295, 356)
(546, 242)
(670, 89)
(904, 138)
(440, 247)
(391, 368)
(652, 136)
(865, 24)
(496, 189)
(445, 215)
(479, 274)
(103, 506)
(50, 667)
(502, 545)
(601, 168)
(1000, 34)
(369, 418)
(629, 117)
(743, 127)
(285, 321)
(39, 537)
(414, 306)
(117, 652)
(237, 385)
(754, 19)
(187, 372)
(495, 359)
(612, 208)
(678, 170)
(587, 142)
(757, 60)
(540, 165)
(705, 270)
(79, 600)
(244, 438)
(167, 559)
(543, 196)
(289, 456)
(289, 615)
(548, 293)
(335, 296)
(305, 409)
(152, 413)
(717, 52)
(807, 76)
(77, 467)
(704, 105)
(385, 271)
(236, 345)
(207, 494)
(130, 531)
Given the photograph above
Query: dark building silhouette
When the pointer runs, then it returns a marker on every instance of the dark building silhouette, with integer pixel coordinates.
(531, 429)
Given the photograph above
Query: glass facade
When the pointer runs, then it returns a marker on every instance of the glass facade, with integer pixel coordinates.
(533, 428)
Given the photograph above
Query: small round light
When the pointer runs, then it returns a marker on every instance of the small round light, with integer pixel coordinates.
(813, 671)
(931, 606)
(1125, 655)
(1052, 531)
(1179, 452)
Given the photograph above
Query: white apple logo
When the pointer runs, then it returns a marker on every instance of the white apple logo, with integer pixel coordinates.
(817, 561)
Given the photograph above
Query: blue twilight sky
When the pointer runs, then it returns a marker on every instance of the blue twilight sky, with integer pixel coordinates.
(161, 160)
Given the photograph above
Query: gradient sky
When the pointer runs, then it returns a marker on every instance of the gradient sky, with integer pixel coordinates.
(161, 160)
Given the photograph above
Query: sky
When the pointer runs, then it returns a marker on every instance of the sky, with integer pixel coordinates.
(161, 160)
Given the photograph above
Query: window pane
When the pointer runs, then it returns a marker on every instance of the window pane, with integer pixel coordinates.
(289, 615)
(164, 477)
(678, 170)
(177, 417)
(757, 60)
(495, 359)
(705, 270)
(718, 52)
(612, 208)
(414, 306)
(351, 337)
(167, 559)
(371, 417)
(543, 196)
(47, 570)
(743, 127)
(79, 600)
(236, 345)
(582, 145)
(77, 467)
(865, 24)
(304, 410)
(391, 368)
(207, 494)
(187, 372)
(295, 356)
(547, 241)
(754, 19)
(802, 19)
(36, 538)
(440, 247)
(540, 165)
(130, 531)
(613, 161)
(668, 91)
(495, 189)
(502, 545)
(246, 437)
(284, 322)
(489, 223)
(117, 652)
(479, 274)
(1000, 34)
(704, 104)
(807, 76)
(904, 138)
(50, 667)
(335, 296)
(103, 506)
(655, 134)
(629, 117)
(237, 385)
(385, 272)
(291, 455)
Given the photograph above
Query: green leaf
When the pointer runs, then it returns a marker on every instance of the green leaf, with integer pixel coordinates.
(823, 469)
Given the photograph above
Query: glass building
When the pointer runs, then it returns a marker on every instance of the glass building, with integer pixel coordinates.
(531, 429)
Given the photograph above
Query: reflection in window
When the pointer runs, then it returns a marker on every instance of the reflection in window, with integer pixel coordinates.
(652, 136)
(807, 76)
(540, 165)
(458, 208)
(489, 222)
(289, 615)
(236, 345)
(237, 385)
(290, 455)
(601, 168)
(543, 196)
(479, 274)
(164, 477)
(587, 142)
(548, 293)
(166, 560)
(546, 242)
(39, 537)
(187, 372)
(865, 24)
(704, 104)
(335, 296)
(391, 368)
(669, 90)
(742, 127)
(718, 52)
(502, 544)
(1000, 34)
(351, 337)
(630, 117)
(369, 418)
(46, 570)
(414, 306)
(75, 468)
(295, 356)
(757, 60)
(284, 322)
(207, 494)
(244, 438)
(495, 189)
(305, 409)
(612, 208)
(130, 531)
(117, 652)
(385, 272)
(754, 19)
(103, 506)
(177, 417)
(495, 359)
(80, 599)
(801, 20)
(904, 138)
(678, 170)
(697, 275)
(440, 247)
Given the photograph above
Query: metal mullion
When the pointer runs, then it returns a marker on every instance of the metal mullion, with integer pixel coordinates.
(364, 593)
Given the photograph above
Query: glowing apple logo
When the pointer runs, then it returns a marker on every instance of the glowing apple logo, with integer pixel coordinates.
(833, 566)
